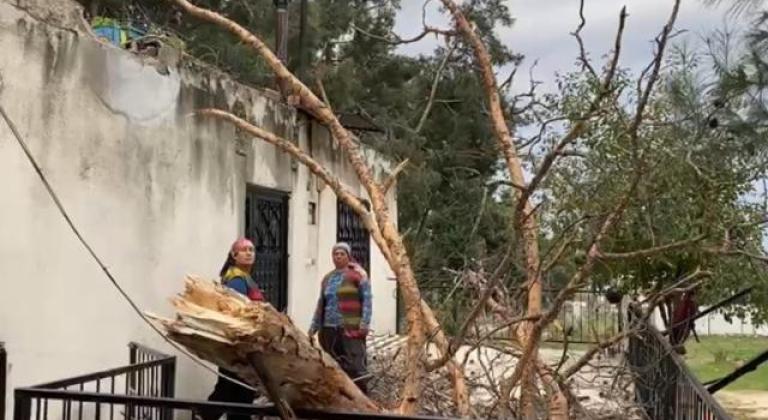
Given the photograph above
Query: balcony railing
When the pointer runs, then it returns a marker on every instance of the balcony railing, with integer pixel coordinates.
(664, 386)
(144, 390)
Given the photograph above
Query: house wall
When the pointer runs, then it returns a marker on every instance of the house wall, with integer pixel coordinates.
(158, 194)
(716, 324)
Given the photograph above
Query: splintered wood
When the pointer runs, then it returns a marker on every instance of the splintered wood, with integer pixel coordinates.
(225, 328)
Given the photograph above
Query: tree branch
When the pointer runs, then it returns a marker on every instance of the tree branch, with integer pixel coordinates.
(496, 183)
(577, 34)
(589, 354)
(580, 126)
(739, 252)
(496, 114)
(660, 294)
(314, 166)
(433, 91)
(650, 251)
(398, 40)
(309, 100)
(321, 89)
(460, 391)
(476, 310)
(655, 69)
(576, 281)
(392, 178)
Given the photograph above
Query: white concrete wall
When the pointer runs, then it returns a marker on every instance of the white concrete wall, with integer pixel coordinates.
(716, 324)
(157, 194)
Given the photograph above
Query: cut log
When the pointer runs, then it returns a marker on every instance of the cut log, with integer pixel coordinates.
(224, 327)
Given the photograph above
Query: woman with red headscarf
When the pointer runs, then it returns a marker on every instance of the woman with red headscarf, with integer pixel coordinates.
(236, 274)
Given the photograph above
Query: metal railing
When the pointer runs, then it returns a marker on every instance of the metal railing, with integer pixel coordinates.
(664, 386)
(161, 382)
(586, 317)
(150, 374)
(190, 406)
(144, 390)
(3, 378)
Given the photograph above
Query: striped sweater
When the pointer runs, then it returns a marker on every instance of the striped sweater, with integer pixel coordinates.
(345, 302)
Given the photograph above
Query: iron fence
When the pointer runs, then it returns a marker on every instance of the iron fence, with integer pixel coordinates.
(179, 406)
(587, 317)
(150, 374)
(3, 378)
(144, 390)
(664, 386)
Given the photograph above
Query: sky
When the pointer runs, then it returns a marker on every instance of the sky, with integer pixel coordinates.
(542, 31)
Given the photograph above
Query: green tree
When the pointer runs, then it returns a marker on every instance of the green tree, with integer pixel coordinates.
(450, 208)
(701, 157)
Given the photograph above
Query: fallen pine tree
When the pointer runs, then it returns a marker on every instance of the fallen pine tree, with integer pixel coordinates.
(263, 346)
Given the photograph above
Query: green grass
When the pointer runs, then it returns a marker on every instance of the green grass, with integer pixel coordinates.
(717, 356)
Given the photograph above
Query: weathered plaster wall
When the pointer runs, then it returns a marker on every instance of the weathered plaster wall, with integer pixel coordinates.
(157, 193)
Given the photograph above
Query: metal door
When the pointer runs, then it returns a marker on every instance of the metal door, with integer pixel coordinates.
(350, 229)
(266, 224)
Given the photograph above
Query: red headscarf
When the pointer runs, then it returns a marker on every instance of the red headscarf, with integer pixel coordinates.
(241, 243)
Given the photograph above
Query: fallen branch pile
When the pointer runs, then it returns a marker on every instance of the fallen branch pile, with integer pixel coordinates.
(267, 350)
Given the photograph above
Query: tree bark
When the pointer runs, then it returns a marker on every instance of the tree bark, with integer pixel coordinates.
(455, 372)
(227, 329)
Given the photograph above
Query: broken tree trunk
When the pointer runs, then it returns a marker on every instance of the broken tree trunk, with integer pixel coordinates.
(225, 328)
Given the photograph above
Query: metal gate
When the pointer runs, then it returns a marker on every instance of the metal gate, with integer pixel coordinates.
(350, 229)
(587, 317)
(266, 224)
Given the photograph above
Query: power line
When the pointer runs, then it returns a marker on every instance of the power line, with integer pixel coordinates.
(95, 257)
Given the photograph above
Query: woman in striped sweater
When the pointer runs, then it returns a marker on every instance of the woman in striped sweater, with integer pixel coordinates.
(343, 315)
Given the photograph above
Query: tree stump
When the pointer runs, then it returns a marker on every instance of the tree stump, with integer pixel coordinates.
(224, 327)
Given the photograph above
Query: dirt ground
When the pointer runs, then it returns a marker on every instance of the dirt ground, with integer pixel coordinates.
(745, 405)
